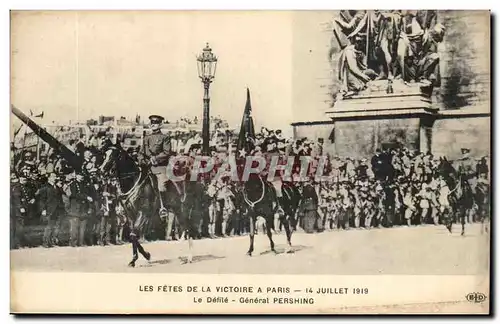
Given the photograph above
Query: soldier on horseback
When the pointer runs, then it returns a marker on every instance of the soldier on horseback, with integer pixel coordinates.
(466, 168)
(465, 165)
(463, 198)
(156, 151)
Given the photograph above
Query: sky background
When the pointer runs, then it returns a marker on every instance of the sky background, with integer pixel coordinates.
(79, 65)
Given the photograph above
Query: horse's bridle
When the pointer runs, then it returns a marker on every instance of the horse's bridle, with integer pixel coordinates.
(250, 203)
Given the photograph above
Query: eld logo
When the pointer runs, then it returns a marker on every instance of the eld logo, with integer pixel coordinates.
(476, 297)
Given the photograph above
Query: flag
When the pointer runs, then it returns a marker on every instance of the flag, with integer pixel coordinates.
(39, 115)
(247, 126)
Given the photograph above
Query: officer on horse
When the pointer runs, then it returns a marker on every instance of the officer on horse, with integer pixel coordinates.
(465, 168)
(156, 150)
(466, 165)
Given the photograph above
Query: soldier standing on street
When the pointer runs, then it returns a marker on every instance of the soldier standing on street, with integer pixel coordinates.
(50, 197)
(23, 202)
(27, 161)
(482, 167)
(77, 209)
(16, 212)
(466, 168)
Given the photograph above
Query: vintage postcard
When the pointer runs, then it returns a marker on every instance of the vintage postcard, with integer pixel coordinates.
(250, 162)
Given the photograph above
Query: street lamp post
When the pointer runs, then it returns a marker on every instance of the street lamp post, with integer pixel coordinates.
(207, 64)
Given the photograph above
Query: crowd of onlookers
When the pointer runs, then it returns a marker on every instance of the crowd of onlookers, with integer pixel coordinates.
(395, 187)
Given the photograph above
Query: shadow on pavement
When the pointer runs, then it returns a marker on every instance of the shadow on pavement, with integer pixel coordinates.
(155, 262)
(200, 258)
(282, 250)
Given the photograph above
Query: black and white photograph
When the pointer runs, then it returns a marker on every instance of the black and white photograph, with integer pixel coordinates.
(250, 161)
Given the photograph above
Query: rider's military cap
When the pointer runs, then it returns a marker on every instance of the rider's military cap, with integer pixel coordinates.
(156, 119)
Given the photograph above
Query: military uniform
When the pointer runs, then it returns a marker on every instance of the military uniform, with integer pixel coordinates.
(378, 167)
(50, 198)
(157, 150)
(466, 167)
(77, 208)
(482, 168)
(26, 163)
(362, 171)
(17, 214)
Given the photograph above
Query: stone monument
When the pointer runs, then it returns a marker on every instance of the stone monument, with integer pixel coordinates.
(388, 69)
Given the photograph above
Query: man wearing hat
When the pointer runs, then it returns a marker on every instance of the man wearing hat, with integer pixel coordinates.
(156, 151)
(466, 166)
(26, 162)
(482, 167)
(81, 145)
(362, 170)
(42, 164)
(16, 220)
(95, 212)
(378, 166)
(103, 140)
(50, 200)
(77, 208)
(22, 203)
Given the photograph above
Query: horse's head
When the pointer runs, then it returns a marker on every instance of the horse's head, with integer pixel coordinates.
(447, 171)
(253, 182)
(118, 163)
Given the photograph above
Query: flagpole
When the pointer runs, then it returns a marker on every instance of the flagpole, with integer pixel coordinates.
(38, 148)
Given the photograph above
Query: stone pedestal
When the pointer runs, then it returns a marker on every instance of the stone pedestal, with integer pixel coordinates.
(375, 119)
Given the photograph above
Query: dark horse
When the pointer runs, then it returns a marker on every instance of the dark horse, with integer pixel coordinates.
(142, 201)
(260, 199)
(461, 195)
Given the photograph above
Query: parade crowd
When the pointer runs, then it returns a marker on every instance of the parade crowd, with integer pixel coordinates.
(52, 205)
